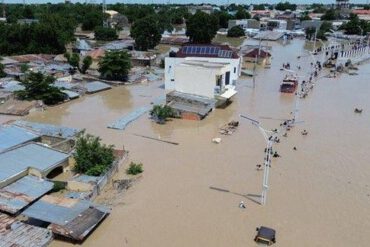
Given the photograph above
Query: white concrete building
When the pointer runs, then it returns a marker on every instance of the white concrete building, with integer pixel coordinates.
(204, 78)
(207, 54)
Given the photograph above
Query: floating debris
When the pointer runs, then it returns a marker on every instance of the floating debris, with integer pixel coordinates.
(229, 128)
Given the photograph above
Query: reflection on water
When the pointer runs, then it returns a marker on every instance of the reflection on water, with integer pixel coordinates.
(318, 194)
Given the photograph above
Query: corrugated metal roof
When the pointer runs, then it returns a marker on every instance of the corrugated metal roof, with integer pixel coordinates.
(69, 217)
(33, 155)
(14, 233)
(49, 129)
(12, 86)
(96, 86)
(71, 94)
(11, 136)
(21, 193)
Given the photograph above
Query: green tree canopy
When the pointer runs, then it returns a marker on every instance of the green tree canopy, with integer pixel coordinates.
(330, 15)
(282, 6)
(356, 26)
(201, 28)
(235, 32)
(259, 7)
(86, 63)
(146, 33)
(115, 65)
(242, 14)
(2, 73)
(40, 87)
(223, 18)
(105, 33)
(92, 157)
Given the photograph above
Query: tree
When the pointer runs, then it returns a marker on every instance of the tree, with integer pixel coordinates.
(285, 6)
(259, 7)
(24, 67)
(325, 27)
(356, 26)
(115, 65)
(223, 18)
(330, 15)
(242, 14)
(305, 17)
(105, 33)
(92, 157)
(236, 31)
(160, 114)
(146, 33)
(92, 20)
(201, 28)
(39, 87)
(73, 60)
(310, 33)
(86, 63)
(2, 73)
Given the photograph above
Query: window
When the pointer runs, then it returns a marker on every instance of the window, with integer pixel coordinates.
(234, 70)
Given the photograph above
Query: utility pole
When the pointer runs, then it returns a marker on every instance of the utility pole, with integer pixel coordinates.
(105, 22)
(268, 155)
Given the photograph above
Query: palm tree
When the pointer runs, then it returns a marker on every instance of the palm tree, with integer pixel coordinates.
(115, 65)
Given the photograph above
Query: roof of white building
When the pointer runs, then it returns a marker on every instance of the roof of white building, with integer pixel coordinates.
(204, 64)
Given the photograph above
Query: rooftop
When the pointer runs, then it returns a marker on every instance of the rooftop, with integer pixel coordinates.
(14, 233)
(48, 129)
(32, 155)
(11, 136)
(205, 64)
(21, 193)
(71, 218)
(96, 86)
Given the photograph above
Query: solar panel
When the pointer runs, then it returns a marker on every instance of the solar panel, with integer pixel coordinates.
(198, 50)
(207, 50)
(185, 49)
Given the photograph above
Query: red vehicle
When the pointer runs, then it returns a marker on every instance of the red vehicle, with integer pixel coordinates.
(289, 84)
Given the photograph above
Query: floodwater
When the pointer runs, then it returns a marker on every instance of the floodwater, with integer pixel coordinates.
(189, 194)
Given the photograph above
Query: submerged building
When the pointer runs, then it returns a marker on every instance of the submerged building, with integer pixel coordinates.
(200, 77)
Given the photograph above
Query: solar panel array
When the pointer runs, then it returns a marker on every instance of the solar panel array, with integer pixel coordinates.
(207, 50)
(201, 50)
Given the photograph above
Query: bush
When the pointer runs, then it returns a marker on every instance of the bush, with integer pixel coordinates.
(92, 157)
(235, 32)
(105, 33)
(58, 186)
(161, 113)
(134, 169)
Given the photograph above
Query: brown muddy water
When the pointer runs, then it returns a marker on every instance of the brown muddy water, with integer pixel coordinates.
(189, 194)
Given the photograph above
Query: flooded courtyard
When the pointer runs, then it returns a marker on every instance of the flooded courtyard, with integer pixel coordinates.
(189, 194)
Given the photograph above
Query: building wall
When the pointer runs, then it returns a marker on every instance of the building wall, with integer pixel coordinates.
(244, 23)
(172, 62)
(203, 84)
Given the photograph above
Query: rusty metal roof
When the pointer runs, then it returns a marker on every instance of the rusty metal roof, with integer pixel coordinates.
(72, 218)
(22, 192)
(14, 233)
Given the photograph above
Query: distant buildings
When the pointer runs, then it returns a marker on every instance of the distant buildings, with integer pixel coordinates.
(244, 23)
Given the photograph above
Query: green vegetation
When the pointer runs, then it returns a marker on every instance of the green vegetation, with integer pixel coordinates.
(330, 15)
(318, 8)
(105, 33)
(324, 28)
(285, 6)
(259, 7)
(24, 67)
(241, 13)
(310, 33)
(305, 17)
(74, 61)
(223, 18)
(92, 157)
(146, 33)
(2, 73)
(135, 169)
(235, 32)
(201, 28)
(58, 186)
(356, 26)
(161, 113)
(115, 65)
(40, 87)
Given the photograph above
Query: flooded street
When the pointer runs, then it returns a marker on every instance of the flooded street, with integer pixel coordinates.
(189, 194)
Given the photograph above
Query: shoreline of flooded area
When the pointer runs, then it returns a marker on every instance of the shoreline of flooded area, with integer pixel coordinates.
(189, 193)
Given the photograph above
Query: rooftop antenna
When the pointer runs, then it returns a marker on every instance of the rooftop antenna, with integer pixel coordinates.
(269, 137)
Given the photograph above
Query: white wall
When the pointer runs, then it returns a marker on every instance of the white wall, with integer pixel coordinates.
(171, 62)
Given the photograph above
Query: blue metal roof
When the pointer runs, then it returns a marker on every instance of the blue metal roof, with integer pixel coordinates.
(11, 136)
(12, 86)
(33, 155)
(49, 129)
(59, 210)
(24, 191)
(96, 86)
